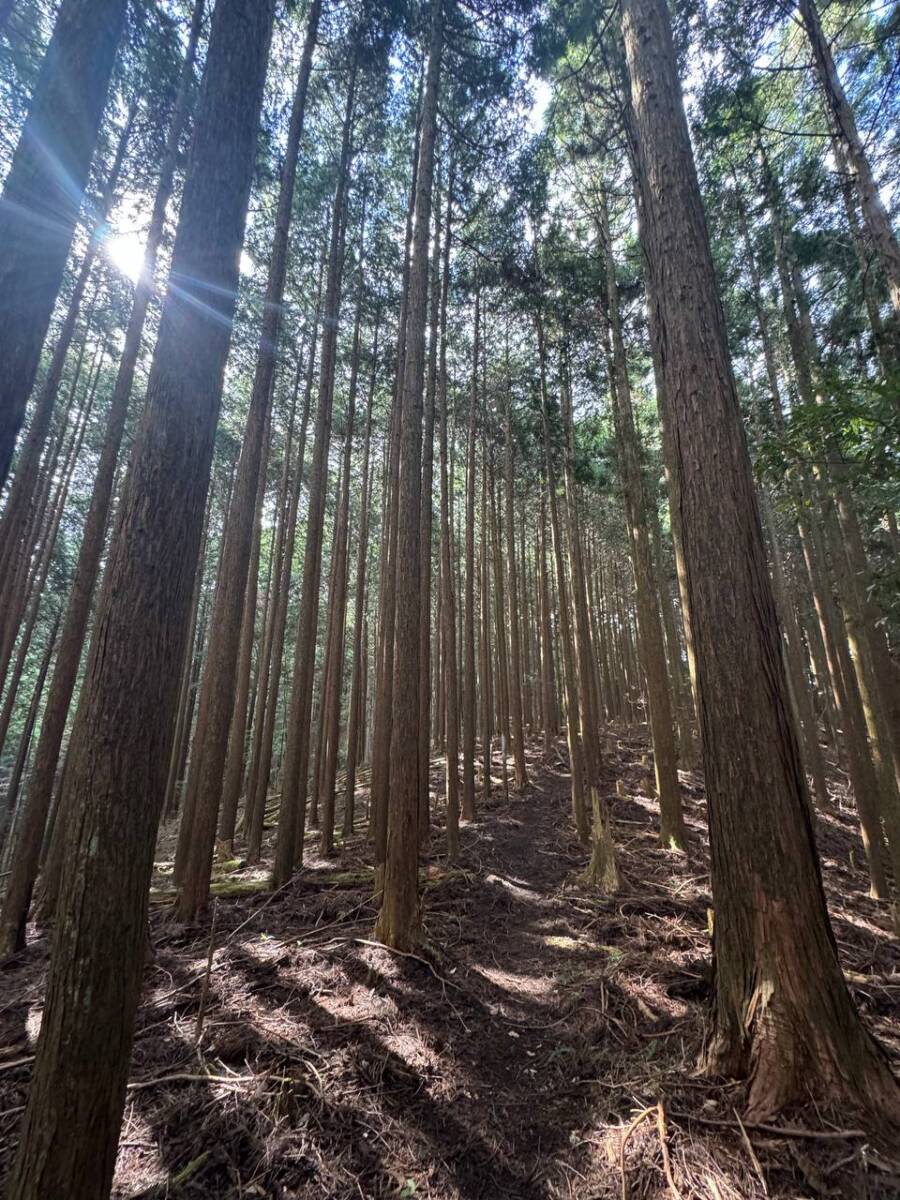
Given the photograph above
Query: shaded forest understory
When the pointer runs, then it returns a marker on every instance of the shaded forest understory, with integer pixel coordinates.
(511, 1059)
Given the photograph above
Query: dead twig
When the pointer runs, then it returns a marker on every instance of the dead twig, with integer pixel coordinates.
(642, 1116)
(757, 1166)
(664, 1146)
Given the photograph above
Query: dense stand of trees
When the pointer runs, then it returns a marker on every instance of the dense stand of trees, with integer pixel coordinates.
(355, 412)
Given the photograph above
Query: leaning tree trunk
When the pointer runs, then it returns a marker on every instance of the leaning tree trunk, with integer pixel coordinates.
(783, 1015)
(68, 658)
(874, 212)
(123, 731)
(216, 702)
(43, 192)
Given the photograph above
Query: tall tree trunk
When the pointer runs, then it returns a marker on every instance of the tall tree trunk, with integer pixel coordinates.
(548, 674)
(602, 869)
(425, 536)
(292, 810)
(216, 702)
(783, 1014)
(65, 670)
(469, 679)
(448, 601)
(517, 725)
(357, 716)
(270, 681)
(43, 191)
(241, 715)
(116, 777)
(384, 653)
(338, 600)
(398, 922)
(484, 656)
(570, 671)
(672, 830)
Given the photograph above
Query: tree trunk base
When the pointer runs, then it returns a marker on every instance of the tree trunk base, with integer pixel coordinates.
(791, 1055)
(601, 872)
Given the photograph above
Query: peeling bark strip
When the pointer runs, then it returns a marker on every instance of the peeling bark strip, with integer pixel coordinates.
(783, 1015)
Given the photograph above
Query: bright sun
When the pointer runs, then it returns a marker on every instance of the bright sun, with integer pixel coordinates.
(126, 252)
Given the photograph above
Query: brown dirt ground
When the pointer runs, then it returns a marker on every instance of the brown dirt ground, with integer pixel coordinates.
(511, 1062)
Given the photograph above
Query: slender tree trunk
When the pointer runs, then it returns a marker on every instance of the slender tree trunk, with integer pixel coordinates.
(425, 537)
(399, 924)
(261, 763)
(672, 830)
(338, 600)
(573, 716)
(517, 726)
(468, 682)
(292, 811)
(357, 716)
(448, 601)
(548, 674)
(241, 715)
(216, 702)
(485, 658)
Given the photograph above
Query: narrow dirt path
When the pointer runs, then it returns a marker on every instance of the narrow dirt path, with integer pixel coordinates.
(506, 1062)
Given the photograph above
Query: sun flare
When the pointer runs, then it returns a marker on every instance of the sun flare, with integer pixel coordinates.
(126, 252)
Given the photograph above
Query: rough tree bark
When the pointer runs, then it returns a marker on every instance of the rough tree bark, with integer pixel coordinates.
(65, 670)
(123, 730)
(782, 1013)
(398, 922)
(672, 831)
(292, 810)
(216, 702)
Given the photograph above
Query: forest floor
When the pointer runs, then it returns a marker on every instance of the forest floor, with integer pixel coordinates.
(544, 1045)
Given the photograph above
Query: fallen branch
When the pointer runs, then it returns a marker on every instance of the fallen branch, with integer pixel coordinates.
(781, 1130)
(664, 1146)
(180, 1077)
